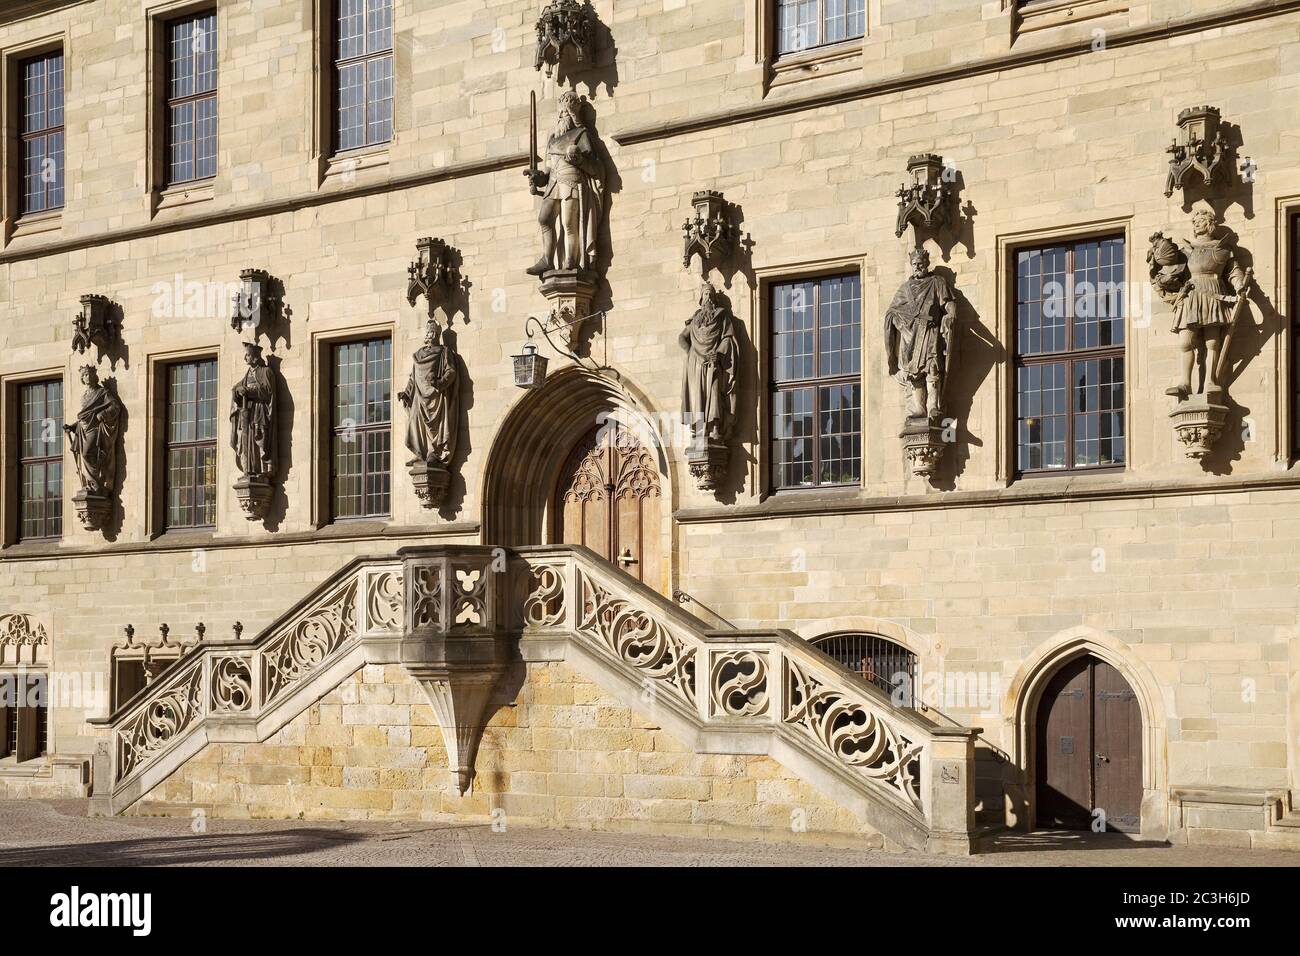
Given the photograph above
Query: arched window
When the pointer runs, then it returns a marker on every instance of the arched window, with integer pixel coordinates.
(878, 660)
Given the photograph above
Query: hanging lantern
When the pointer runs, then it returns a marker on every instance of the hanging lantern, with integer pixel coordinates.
(530, 367)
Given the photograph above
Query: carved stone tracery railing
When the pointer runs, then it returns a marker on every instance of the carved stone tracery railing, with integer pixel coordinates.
(223, 679)
(456, 618)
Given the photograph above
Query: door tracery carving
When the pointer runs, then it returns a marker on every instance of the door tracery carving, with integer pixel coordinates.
(609, 498)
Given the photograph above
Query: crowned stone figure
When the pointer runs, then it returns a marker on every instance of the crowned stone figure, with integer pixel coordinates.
(93, 440)
(572, 184)
(432, 396)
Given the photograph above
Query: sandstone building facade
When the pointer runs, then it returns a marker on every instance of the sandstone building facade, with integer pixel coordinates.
(798, 534)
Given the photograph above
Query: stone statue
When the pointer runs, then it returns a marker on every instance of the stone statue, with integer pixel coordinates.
(1207, 287)
(919, 326)
(710, 381)
(432, 396)
(572, 185)
(252, 416)
(253, 432)
(709, 371)
(93, 441)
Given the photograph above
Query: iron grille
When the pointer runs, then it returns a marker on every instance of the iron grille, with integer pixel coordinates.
(875, 659)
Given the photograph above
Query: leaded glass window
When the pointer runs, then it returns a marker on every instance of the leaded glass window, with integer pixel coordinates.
(192, 98)
(41, 133)
(192, 444)
(1070, 308)
(363, 73)
(817, 382)
(361, 473)
(805, 24)
(40, 460)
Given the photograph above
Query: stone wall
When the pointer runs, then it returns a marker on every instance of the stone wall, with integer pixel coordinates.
(978, 573)
(559, 753)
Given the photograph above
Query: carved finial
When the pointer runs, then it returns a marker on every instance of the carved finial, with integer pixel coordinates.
(130, 633)
(163, 631)
(238, 628)
(199, 629)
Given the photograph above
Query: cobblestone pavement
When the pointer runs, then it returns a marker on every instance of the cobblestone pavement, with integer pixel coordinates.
(58, 833)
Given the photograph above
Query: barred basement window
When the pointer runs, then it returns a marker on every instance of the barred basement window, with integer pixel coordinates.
(192, 98)
(877, 660)
(41, 133)
(24, 716)
(817, 382)
(1070, 357)
(805, 24)
(192, 444)
(361, 472)
(363, 73)
(40, 484)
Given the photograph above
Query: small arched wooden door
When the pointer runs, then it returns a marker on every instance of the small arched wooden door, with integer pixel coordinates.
(608, 498)
(1088, 753)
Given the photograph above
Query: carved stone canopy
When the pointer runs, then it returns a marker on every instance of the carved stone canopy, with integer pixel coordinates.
(1199, 149)
(924, 200)
(711, 233)
(565, 25)
(255, 305)
(94, 325)
(433, 274)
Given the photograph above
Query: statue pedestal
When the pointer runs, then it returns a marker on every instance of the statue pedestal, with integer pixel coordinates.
(254, 496)
(431, 481)
(923, 444)
(1198, 422)
(570, 292)
(92, 509)
(708, 463)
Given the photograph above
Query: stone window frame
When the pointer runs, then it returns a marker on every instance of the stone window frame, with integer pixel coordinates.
(10, 454)
(836, 59)
(331, 169)
(196, 443)
(15, 224)
(156, 376)
(12, 722)
(1032, 19)
(1286, 436)
(161, 195)
(761, 330)
(1008, 245)
(321, 416)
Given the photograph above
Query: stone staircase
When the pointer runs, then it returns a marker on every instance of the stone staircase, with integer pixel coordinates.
(457, 618)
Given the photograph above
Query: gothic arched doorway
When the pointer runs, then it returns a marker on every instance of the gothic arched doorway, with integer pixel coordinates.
(1088, 748)
(608, 498)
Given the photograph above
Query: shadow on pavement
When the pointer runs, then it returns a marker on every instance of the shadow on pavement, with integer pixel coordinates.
(1017, 842)
(223, 848)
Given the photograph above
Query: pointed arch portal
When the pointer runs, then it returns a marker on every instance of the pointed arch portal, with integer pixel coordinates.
(538, 484)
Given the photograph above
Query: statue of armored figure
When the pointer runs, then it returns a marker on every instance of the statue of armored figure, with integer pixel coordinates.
(572, 185)
(432, 397)
(253, 432)
(710, 383)
(919, 328)
(93, 440)
(1207, 287)
(1205, 283)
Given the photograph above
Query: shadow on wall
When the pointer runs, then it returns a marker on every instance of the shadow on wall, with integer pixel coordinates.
(978, 352)
(284, 409)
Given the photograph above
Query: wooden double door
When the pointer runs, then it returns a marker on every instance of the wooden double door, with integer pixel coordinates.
(609, 499)
(1089, 749)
